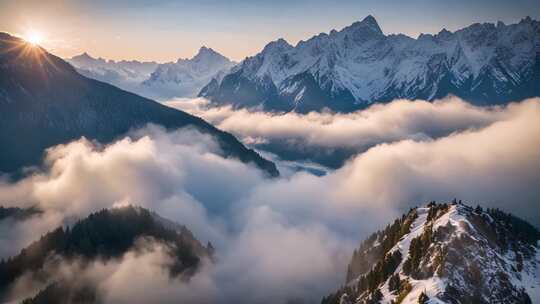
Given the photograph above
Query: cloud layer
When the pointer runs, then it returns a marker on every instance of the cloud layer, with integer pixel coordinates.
(320, 136)
(289, 238)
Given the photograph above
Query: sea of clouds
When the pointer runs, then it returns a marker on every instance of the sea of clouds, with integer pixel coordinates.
(289, 238)
(330, 139)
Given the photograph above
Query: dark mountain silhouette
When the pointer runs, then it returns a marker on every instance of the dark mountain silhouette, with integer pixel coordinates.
(45, 102)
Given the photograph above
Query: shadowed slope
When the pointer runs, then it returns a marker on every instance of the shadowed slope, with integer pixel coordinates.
(45, 102)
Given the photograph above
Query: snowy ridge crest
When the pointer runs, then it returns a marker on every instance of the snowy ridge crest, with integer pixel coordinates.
(186, 77)
(183, 78)
(446, 253)
(359, 65)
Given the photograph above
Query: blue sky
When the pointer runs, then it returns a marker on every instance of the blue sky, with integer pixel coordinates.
(166, 30)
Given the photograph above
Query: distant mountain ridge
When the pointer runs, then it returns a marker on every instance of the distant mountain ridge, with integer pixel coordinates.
(45, 102)
(131, 68)
(125, 74)
(446, 253)
(183, 78)
(359, 65)
(186, 77)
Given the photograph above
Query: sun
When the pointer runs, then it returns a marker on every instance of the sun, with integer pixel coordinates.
(34, 38)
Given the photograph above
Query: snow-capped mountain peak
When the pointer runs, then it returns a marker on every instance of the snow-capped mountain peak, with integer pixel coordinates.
(186, 77)
(115, 72)
(85, 60)
(84, 55)
(527, 19)
(208, 54)
(278, 45)
(446, 253)
(359, 65)
(368, 26)
(183, 78)
(370, 21)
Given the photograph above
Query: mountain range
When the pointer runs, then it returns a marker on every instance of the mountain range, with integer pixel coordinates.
(446, 253)
(183, 78)
(486, 64)
(45, 102)
(125, 74)
(186, 77)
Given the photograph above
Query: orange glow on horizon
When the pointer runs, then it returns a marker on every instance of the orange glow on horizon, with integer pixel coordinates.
(34, 37)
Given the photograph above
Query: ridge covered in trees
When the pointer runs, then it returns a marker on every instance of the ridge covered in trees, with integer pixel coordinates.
(372, 263)
(106, 234)
(375, 247)
(479, 254)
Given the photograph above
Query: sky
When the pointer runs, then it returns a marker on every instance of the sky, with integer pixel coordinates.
(165, 30)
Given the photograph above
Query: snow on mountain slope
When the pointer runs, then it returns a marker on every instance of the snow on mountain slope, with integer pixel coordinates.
(446, 253)
(359, 65)
(136, 70)
(183, 78)
(125, 74)
(186, 77)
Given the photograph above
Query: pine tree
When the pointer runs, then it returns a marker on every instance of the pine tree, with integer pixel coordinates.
(423, 298)
(377, 296)
(478, 209)
(394, 283)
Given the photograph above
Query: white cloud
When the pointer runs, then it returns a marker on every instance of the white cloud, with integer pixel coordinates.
(398, 120)
(289, 238)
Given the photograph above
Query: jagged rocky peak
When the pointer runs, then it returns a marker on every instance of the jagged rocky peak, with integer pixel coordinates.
(444, 34)
(357, 66)
(446, 253)
(84, 55)
(181, 78)
(85, 60)
(371, 22)
(206, 53)
(527, 19)
(186, 77)
(368, 25)
(278, 45)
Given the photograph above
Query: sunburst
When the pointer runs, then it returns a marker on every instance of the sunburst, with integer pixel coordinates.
(34, 38)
